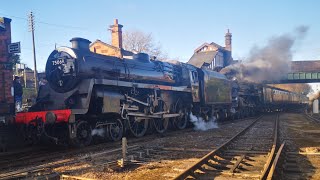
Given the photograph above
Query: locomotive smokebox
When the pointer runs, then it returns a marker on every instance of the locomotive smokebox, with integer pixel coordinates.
(80, 43)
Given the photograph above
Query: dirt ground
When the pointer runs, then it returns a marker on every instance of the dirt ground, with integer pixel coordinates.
(168, 155)
(302, 138)
(164, 156)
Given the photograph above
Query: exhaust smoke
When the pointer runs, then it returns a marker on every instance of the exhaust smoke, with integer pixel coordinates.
(268, 63)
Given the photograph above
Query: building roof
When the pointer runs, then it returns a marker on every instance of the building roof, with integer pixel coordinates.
(123, 52)
(202, 45)
(217, 45)
(198, 59)
(99, 41)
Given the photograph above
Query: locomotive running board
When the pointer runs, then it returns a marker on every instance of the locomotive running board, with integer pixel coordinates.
(141, 85)
(152, 115)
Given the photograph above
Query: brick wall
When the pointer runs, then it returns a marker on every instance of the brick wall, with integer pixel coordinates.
(6, 73)
(115, 49)
(305, 66)
(116, 34)
(105, 49)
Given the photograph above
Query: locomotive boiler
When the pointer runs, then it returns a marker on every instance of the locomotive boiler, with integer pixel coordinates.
(66, 67)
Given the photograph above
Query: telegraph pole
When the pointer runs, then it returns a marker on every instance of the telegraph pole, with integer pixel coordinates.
(31, 24)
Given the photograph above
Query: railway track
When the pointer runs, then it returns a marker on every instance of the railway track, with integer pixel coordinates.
(300, 156)
(314, 118)
(38, 155)
(246, 155)
(34, 160)
(46, 169)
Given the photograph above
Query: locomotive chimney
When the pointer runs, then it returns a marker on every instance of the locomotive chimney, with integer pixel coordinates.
(116, 34)
(142, 57)
(80, 43)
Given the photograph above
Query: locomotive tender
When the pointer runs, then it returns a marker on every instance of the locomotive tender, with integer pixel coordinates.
(91, 91)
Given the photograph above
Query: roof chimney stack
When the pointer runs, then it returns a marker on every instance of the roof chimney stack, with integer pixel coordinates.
(228, 41)
(228, 44)
(116, 34)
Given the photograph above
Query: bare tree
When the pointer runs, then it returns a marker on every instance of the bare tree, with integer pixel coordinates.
(138, 41)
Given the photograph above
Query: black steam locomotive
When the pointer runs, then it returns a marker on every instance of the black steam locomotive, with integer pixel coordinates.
(90, 91)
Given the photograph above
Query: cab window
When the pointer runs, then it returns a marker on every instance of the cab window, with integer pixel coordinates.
(194, 76)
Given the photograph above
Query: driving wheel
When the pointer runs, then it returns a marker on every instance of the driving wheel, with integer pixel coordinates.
(138, 127)
(83, 134)
(116, 130)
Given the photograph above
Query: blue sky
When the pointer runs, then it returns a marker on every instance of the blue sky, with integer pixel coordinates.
(179, 26)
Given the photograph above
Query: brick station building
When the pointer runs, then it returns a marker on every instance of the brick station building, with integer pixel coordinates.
(212, 55)
(6, 73)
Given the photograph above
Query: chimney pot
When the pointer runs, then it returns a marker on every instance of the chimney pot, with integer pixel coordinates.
(228, 40)
(116, 34)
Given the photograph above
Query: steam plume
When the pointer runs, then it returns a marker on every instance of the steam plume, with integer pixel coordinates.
(271, 62)
(98, 132)
(202, 125)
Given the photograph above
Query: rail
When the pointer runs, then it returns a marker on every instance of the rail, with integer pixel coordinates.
(24, 171)
(274, 145)
(207, 157)
(312, 118)
(275, 162)
(191, 171)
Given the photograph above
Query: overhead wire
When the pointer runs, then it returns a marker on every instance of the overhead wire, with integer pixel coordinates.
(46, 23)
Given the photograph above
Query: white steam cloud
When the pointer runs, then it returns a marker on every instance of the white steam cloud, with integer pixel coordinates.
(98, 132)
(201, 125)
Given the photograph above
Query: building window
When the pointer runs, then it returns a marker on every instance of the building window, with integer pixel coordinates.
(204, 49)
(219, 60)
(212, 64)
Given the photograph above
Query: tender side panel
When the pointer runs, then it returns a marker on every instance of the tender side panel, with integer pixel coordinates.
(217, 89)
